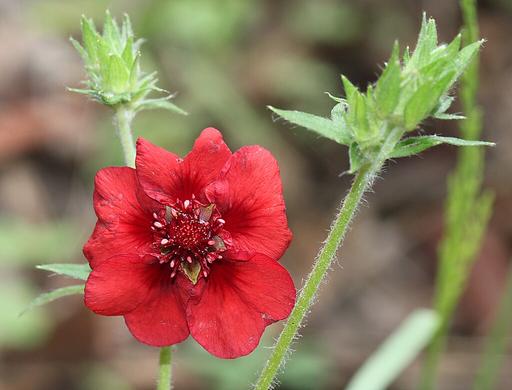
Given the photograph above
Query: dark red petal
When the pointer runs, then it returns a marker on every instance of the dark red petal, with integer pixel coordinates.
(204, 163)
(249, 196)
(165, 178)
(124, 216)
(118, 285)
(160, 320)
(157, 171)
(239, 299)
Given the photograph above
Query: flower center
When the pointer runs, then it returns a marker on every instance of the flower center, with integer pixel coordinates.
(187, 237)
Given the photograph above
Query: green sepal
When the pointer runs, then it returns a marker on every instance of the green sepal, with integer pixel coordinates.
(424, 100)
(117, 78)
(387, 91)
(356, 158)
(90, 38)
(111, 60)
(414, 145)
(76, 271)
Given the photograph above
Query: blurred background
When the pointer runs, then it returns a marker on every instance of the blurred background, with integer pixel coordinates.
(227, 60)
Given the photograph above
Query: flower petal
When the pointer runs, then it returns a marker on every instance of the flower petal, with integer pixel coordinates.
(156, 170)
(249, 196)
(165, 177)
(239, 300)
(124, 216)
(118, 285)
(160, 320)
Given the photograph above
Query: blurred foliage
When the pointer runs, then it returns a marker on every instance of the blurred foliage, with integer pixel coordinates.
(307, 371)
(397, 352)
(49, 242)
(468, 207)
(497, 342)
(17, 330)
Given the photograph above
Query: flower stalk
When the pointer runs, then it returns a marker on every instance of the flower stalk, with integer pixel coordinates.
(165, 373)
(123, 122)
(123, 119)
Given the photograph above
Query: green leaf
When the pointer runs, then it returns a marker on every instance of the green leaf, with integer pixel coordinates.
(118, 75)
(51, 296)
(387, 91)
(77, 271)
(415, 145)
(164, 103)
(322, 126)
(397, 352)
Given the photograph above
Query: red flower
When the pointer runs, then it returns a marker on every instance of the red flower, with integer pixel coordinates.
(190, 246)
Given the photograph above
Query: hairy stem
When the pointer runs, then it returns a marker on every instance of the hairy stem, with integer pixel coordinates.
(164, 377)
(362, 182)
(123, 121)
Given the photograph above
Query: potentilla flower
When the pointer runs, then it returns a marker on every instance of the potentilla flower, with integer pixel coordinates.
(190, 246)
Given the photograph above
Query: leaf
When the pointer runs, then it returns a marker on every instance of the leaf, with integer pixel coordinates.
(397, 352)
(151, 104)
(77, 271)
(322, 126)
(415, 145)
(51, 296)
(387, 91)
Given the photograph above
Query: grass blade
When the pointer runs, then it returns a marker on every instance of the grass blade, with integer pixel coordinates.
(397, 352)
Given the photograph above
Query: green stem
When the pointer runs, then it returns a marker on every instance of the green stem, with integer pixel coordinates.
(123, 122)
(362, 182)
(164, 378)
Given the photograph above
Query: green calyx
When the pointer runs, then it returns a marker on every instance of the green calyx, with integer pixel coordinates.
(411, 88)
(112, 63)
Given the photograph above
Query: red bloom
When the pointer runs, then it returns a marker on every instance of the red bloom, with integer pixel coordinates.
(190, 246)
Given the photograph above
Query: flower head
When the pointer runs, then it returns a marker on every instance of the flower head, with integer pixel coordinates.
(190, 246)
